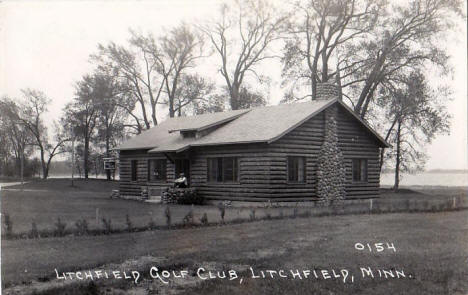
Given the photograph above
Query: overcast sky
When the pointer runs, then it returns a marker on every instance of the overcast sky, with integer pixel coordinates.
(45, 45)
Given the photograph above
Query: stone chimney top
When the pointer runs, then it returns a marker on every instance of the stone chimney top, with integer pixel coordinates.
(327, 90)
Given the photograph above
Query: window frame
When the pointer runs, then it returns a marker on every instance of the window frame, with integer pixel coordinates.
(157, 161)
(304, 169)
(220, 169)
(363, 174)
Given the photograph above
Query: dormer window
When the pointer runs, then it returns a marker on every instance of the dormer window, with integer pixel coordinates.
(188, 134)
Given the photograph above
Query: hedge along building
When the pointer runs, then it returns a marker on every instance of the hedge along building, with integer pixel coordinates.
(290, 152)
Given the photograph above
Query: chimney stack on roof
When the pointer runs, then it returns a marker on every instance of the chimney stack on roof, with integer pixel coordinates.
(327, 90)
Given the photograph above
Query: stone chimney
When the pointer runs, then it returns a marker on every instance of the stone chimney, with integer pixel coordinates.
(327, 90)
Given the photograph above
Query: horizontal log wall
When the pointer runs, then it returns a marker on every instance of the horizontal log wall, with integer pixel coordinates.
(133, 188)
(254, 172)
(304, 141)
(357, 142)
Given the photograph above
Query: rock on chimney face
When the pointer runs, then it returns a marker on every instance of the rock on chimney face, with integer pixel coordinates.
(326, 90)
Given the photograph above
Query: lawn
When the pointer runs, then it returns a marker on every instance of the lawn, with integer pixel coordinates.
(43, 202)
(431, 249)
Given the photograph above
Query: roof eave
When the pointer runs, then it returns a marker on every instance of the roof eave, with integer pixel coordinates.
(133, 148)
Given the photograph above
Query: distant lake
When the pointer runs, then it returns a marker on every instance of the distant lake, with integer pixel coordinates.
(437, 179)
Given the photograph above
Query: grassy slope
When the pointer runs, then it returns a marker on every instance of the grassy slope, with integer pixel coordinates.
(432, 247)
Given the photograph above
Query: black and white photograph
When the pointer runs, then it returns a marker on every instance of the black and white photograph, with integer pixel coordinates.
(233, 147)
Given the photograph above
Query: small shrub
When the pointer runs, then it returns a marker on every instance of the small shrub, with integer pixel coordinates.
(188, 218)
(82, 226)
(252, 214)
(167, 213)
(425, 205)
(8, 226)
(182, 196)
(442, 207)
(204, 219)
(268, 216)
(107, 223)
(295, 211)
(129, 223)
(376, 209)
(60, 226)
(307, 213)
(222, 212)
(151, 224)
(34, 233)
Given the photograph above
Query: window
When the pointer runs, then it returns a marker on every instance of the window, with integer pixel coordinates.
(359, 170)
(157, 170)
(296, 169)
(223, 169)
(134, 167)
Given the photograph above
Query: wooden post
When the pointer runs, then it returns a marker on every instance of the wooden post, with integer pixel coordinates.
(73, 160)
(22, 168)
(454, 204)
(0, 219)
(371, 205)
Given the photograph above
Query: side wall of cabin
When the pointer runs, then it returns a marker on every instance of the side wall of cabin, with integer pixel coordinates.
(356, 142)
(127, 187)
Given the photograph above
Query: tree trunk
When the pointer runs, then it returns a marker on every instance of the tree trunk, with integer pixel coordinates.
(108, 172)
(398, 153)
(171, 107)
(86, 157)
(235, 105)
(314, 86)
(46, 172)
(382, 150)
(43, 164)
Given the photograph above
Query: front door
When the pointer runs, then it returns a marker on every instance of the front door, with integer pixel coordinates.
(182, 166)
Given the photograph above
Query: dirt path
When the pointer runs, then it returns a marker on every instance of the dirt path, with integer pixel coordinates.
(7, 184)
(23, 260)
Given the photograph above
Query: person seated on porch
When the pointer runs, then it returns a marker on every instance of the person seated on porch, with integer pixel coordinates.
(181, 182)
(155, 173)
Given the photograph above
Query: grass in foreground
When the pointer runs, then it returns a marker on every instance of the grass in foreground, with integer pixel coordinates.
(421, 241)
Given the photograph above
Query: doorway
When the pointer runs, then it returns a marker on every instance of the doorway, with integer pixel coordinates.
(182, 166)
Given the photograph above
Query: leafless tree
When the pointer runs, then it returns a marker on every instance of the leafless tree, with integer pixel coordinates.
(408, 38)
(173, 54)
(242, 38)
(418, 114)
(32, 110)
(81, 115)
(315, 34)
(137, 69)
(192, 92)
(15, 138)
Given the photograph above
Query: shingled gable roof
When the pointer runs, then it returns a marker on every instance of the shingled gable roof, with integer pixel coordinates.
(261, 124)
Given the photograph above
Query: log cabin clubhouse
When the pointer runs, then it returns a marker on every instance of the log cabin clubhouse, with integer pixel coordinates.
(260, 154)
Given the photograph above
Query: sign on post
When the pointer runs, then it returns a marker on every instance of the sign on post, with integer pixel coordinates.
(109, 163)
